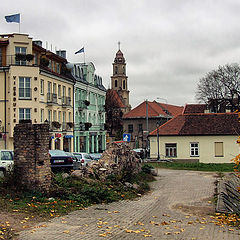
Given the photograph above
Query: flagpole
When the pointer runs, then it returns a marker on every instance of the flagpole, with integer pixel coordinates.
(84, 55)
(19, 23)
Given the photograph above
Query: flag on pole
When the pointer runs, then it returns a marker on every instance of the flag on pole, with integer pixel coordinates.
(80, 51)
(13, 18)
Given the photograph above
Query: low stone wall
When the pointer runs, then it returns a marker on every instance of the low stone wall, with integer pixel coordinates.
(31, 157)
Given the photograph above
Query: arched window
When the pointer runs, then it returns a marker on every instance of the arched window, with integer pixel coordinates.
(82, 73)
(124, 84)
(116, 83)
(116, 70)
(75, 70)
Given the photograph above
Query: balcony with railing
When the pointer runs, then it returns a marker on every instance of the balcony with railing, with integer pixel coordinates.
(16, 59)
(66, 101)
(67, 126)
(51, 98)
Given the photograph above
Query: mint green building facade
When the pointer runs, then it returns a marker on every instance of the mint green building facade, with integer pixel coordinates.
(89, 112)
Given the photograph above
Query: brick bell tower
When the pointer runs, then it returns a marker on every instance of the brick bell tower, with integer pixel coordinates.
(119, 79)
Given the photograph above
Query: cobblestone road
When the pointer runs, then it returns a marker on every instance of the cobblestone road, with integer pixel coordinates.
(177, 208)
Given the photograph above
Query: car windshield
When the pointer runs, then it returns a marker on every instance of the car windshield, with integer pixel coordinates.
(6, 155)
(87, 156)
(57, 153)
(77, 154)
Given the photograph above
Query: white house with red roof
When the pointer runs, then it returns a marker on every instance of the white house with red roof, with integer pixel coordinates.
(144, 118)
(195, 136)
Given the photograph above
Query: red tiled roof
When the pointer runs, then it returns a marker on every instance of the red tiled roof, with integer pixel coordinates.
(194, 108)
(155, 109)
(113, 93)
(201, 124)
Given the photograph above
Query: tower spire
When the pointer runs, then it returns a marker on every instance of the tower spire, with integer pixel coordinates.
(119, 45)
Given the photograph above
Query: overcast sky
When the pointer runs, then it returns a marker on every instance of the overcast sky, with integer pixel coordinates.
(168, 44)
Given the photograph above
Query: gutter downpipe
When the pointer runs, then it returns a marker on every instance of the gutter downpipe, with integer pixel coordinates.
(147, 145)
(5, 108)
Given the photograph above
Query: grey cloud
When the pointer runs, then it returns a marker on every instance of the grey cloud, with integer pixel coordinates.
(168, 45)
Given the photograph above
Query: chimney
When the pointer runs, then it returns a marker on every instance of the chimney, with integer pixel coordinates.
(62, 53)
(38, 42)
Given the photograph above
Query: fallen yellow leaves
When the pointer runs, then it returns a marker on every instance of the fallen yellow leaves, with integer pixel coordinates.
(226, 219)
(104, 234)
(147, 235)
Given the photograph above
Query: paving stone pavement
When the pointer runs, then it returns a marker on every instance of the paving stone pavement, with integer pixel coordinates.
(178, 207)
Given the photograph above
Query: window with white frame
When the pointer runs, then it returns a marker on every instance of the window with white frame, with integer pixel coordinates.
(58, 68)
(49, 87)
(54, 88)
(54, 115)
(24, 113)
(194, 149)
(42, 116)
(42, 86)
(49, 116)
(59, 91)
(25, 88)
(21, 50)
(64, 117)
(64, 91)
(59, 116)
(171, 149)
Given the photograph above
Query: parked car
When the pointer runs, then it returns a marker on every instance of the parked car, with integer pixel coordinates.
(95, 156)
(64, 161)
(6, 161)
(84, 158)
(141, 152)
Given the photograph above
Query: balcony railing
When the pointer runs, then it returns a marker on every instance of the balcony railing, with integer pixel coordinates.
(67, 126)
(7, 60)
(51, 98)
(66, 101)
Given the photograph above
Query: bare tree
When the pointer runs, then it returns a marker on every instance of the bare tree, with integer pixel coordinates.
(113, 113)
(220, 88)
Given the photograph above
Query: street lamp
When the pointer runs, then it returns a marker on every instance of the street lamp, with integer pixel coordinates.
(158, 156)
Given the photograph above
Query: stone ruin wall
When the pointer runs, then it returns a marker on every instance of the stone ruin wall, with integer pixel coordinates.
(117, 159)
(31, 156)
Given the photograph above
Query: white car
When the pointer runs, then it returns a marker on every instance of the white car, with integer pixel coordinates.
(6, 161)
(83, 158)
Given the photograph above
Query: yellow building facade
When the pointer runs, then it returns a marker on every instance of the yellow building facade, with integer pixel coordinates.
(35, 85)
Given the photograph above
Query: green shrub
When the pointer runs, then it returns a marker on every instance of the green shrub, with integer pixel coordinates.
(146, 168)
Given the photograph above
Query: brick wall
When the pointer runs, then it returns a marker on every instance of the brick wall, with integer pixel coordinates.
(31, 157)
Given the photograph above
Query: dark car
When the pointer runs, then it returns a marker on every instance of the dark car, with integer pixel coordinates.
(63, 161)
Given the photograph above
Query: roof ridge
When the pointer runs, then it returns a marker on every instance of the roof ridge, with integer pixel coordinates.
(228, 113)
